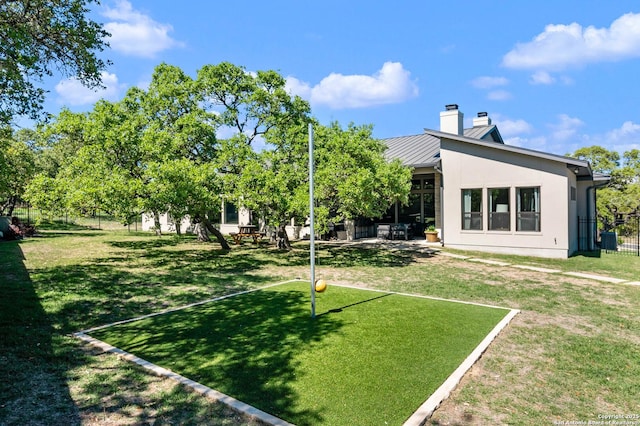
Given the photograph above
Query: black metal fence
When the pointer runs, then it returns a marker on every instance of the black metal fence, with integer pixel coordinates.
(623, 238)
(94, 220)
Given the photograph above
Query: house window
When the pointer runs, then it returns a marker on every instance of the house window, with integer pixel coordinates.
(230, 213)
(528, 209)
(472, 209)
(499, 209)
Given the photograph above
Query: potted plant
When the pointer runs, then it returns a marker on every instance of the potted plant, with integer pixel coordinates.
(431, 234)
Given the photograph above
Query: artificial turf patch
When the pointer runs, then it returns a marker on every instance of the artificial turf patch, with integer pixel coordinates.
(367, 357)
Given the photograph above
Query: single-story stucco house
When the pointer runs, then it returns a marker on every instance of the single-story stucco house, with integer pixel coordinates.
(479, 193)
(485, 195)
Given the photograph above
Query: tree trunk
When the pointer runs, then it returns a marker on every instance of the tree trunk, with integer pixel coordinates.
(282, 239)
(156, 224)
(215, 231)
(10, 205)
(201, 232)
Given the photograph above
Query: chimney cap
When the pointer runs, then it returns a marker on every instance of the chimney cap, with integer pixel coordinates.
(482, 114)
(451, 107)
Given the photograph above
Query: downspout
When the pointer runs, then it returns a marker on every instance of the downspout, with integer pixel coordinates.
(438, 170)
(592, 229)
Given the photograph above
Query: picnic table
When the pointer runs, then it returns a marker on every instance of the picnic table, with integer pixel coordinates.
(247, 231)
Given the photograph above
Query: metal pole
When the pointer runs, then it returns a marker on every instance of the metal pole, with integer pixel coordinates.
(312, 238)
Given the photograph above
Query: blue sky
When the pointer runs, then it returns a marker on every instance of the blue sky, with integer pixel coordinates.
(554, 76)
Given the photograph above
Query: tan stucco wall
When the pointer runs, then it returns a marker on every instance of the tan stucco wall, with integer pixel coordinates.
(467, 166)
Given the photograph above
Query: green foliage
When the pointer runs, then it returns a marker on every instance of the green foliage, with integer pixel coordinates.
(59, 140)
(601, 159)
(352, 178)
(157, 151)
(149, 152)
(17, 164)
(632, 160)
(622, 196)
(250, 105)
(38, 37)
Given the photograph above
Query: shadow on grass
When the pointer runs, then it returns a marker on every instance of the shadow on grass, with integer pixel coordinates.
(110, 289)
(342, 308)
(33, 388)
(342, 256)
(593, 253)
(152, 274)
(62, 226)
(244, 346)
(59, 234)
(47, 378)
(147, 244)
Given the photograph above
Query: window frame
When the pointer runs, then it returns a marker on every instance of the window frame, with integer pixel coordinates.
(231, 211)
(471, 217)
(496, 217)
(528, 216)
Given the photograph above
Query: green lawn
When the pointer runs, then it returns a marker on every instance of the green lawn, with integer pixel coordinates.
(570, 355)
(367, 358)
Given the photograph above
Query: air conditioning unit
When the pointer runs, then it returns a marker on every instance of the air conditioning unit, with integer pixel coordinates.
(609, 241)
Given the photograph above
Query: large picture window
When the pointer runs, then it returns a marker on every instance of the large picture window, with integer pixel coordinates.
(528, 209)
(472, 209)
(499, 219)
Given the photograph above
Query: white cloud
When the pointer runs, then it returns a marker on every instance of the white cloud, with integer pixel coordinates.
(628, 131)
(72, 92)
(391, 84)
(566, 128)
(625, 138)
(538, 143)
(499, 95)
(486, 82)
(542, 77)
(511, 128)
(298, 87)
(136, 34)
(563, 46)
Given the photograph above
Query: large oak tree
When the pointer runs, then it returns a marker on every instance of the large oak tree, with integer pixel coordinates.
(38, 37)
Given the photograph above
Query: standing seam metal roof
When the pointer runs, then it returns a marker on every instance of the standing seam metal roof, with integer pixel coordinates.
(414, 151)
(423, 150)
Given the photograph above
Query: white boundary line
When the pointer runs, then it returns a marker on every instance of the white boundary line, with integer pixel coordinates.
(440, 299)
(167, 311)
(418, 418)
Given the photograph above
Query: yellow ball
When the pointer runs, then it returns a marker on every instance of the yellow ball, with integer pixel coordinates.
(321, 285)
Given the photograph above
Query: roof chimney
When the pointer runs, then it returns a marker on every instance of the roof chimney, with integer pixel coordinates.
(481, 120)
(451, 120)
